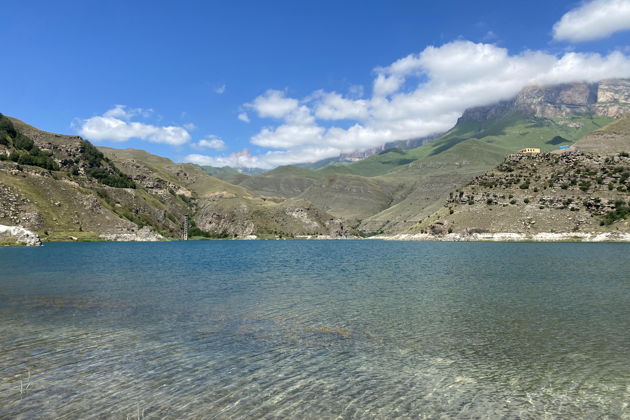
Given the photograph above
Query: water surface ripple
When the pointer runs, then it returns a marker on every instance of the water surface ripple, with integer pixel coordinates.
(315, 329)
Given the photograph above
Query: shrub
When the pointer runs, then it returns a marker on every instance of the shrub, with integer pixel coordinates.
(622, 211)
(193, 230)
(526, 201)
(23, 143)
(115, 179)
(23, 157)
(91, 154)
(7, 131)
(585, 185)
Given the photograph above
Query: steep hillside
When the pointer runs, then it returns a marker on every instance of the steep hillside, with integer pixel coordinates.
(218, 208)
(614, 137)
(392, 190)
(48, 181)
(469, 149)
(570, 192)
(64, 188)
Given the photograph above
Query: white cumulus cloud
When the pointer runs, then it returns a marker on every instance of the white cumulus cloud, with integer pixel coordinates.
(418, 95)
(273, 103)
(210, 142)
(595, 19)
(116, 125)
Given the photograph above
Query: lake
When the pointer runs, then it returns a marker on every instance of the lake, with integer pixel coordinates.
(315, 329)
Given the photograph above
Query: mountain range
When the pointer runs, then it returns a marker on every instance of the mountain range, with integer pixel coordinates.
(64, 188)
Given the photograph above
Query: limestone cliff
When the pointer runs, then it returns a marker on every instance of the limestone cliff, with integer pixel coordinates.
(610, 98)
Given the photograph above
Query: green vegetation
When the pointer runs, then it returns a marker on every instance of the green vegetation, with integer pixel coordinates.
(24, 152)
(621, 212)
(115, 179)
(195, 232)
(34, 157)
(557, 140)
(110, 176)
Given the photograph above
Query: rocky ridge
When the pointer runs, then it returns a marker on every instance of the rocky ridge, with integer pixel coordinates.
(575, 194)
(610, 98)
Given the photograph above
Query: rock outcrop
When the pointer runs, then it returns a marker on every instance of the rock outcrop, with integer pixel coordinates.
(575, 194)
(19, 235)
(609, 98)
(145, 234)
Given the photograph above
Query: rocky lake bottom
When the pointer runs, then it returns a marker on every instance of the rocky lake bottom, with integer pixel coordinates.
(315, 329)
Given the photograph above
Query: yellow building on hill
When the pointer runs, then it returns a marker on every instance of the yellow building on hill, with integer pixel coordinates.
(530, 150)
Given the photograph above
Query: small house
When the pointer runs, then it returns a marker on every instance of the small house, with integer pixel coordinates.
(530, 150)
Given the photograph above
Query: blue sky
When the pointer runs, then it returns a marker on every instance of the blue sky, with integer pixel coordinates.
(255, 83)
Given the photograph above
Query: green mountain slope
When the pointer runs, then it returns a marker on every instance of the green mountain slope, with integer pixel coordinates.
(221, 209)
(467, 150)
(64, 188)
(390, 191)
(582, 190)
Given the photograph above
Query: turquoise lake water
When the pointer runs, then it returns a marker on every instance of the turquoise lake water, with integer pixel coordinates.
(315, 329)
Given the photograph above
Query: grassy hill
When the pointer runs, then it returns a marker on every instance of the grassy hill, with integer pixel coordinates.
(50, 180)
(464, 152)
(614, 137)
(218, 208)
(585, 189)
(64, 188)
(391, 191)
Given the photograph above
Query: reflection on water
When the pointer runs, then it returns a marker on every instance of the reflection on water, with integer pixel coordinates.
(338, 329)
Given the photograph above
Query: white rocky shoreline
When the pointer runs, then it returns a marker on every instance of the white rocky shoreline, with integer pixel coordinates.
(23, 236)
(20, 235)
(511, 237)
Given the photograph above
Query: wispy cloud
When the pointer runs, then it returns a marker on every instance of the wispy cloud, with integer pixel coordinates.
(220, 90)
(593, 20)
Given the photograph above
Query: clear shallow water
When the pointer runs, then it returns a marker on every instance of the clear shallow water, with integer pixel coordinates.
(310, 329)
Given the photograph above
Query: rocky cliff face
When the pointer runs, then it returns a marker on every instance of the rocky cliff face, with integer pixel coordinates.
(610, 98)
